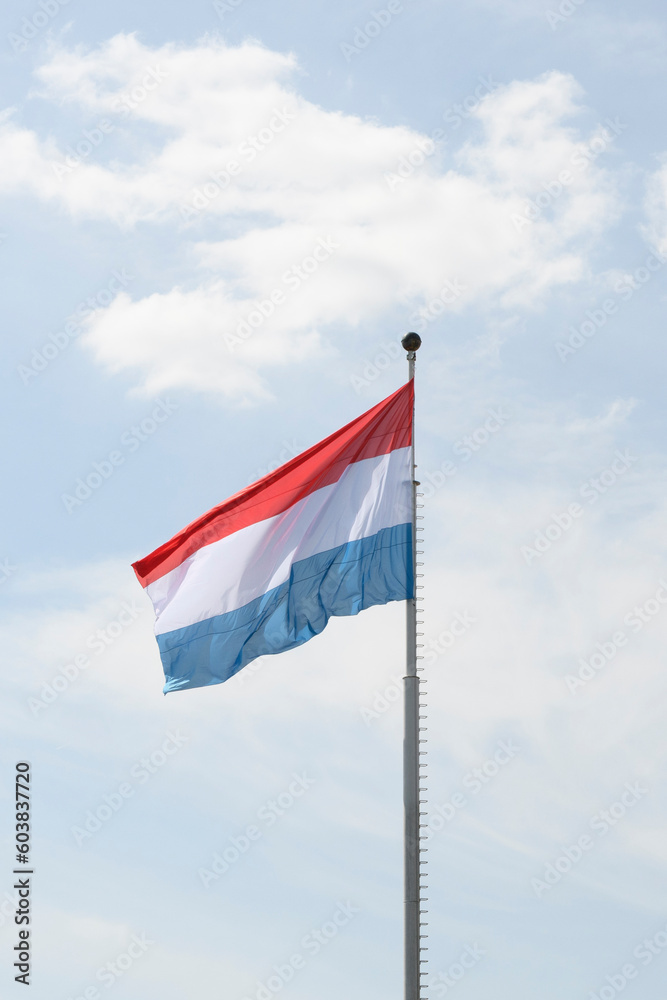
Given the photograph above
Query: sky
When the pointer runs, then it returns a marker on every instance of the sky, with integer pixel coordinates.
(217, 222)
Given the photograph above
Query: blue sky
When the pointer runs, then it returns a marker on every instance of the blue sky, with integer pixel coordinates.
(493, 175)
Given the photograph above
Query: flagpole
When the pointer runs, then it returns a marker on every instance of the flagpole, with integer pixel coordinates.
(411, 781)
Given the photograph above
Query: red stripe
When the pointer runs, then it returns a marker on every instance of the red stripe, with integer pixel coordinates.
(382, 429)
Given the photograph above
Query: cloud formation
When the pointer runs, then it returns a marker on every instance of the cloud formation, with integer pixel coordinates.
(298, 219)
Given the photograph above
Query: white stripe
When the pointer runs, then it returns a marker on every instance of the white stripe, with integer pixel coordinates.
(370, 495)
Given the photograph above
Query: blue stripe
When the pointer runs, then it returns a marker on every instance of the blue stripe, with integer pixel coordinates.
(342, 581)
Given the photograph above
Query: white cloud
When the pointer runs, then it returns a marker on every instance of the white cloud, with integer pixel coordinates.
(312, 175)
(504, 678)
(655, 229)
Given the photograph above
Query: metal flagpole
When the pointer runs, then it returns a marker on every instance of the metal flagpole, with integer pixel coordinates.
(411, 755)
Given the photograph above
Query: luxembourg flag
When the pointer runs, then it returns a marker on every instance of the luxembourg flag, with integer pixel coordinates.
(328, 533)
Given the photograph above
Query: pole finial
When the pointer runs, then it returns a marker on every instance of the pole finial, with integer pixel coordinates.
(411, 342)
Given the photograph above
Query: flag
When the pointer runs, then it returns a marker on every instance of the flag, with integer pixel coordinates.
(328, 533)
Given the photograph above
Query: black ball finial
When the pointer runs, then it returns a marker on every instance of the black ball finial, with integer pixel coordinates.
(411, 342)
